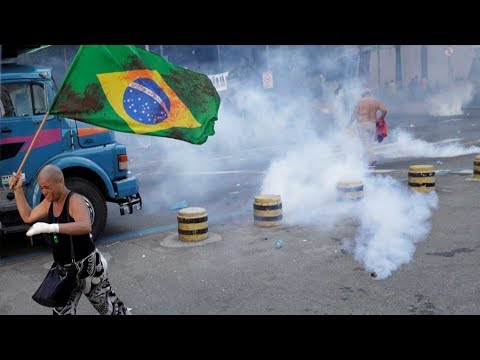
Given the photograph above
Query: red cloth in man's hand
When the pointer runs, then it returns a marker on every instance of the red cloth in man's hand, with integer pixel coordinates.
(381, 131)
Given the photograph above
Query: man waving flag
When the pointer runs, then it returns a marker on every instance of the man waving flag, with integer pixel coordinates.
(128, 89)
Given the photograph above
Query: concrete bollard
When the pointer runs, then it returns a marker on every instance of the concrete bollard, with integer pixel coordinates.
(421, 178)
(349, 191)
(267, 210)
(476, 167)
(192, 224)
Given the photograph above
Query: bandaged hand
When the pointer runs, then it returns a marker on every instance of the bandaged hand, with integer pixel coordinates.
(42, 228)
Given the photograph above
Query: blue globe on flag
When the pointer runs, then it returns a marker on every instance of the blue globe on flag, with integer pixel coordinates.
(146, 102)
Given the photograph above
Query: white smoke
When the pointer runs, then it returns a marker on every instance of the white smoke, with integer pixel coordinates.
(403, 144)
(389, 231)
(253, 117)
(306, 179)
(450, 101)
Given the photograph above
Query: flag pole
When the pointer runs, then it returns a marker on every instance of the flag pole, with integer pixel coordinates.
(19, 171)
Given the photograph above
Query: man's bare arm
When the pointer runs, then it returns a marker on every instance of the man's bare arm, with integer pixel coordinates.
(383, 109)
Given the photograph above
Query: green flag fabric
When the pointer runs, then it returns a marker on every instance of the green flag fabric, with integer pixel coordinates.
(128, 89)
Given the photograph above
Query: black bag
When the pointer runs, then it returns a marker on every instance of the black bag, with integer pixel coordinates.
(60, 281)
(57, 286)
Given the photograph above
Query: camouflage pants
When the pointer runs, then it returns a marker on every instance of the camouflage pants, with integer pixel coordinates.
(94, 284)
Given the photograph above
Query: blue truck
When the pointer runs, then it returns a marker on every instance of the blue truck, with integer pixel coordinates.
(94, 164)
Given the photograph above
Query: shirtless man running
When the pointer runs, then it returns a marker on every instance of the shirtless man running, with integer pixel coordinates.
(365, 113)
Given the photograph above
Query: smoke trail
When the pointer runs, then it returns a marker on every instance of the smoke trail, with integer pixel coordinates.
(403, 144)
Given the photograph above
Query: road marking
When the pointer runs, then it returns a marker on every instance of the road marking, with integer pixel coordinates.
(221, 172)
(34, 253)
(381, 171)
(111, 240)
(221, 157)
(447, 140)
(464, 172)
(226, 172)
(114, 243)
(461, 171)
(451, 120)
(472, 142)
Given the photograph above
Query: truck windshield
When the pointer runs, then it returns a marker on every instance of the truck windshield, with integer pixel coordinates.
(22, 99)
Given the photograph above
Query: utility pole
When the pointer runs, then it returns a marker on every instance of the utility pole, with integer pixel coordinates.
(268, 57)
(449, 53)
(378, 68)
(219, 59)
(424, 61)
(65, 58)
(398, 65)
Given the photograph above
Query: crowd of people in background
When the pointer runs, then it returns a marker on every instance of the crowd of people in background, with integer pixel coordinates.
(417, 89)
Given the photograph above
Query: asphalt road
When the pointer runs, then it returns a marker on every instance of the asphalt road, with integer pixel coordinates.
(239, 271)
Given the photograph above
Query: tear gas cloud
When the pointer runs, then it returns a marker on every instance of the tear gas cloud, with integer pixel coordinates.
(404, 144)
(451, 100)
(388, 231)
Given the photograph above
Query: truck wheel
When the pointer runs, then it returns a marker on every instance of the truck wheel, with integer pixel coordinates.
(95, 202)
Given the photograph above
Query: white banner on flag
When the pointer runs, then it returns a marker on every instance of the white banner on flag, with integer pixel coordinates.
(219, 81)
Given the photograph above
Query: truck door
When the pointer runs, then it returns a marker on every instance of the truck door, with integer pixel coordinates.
(23, 106)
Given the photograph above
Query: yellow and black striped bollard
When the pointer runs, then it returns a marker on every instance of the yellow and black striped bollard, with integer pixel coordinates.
(267, 210)
(192, 224)
(421, 178)
(476, 167)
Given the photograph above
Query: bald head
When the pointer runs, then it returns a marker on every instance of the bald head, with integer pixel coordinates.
(366, 93)
(51, 172)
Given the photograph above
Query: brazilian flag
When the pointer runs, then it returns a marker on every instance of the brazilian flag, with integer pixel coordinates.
(128, 89)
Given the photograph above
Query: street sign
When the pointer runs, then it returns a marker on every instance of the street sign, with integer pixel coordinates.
(267, 80)
(449, 51)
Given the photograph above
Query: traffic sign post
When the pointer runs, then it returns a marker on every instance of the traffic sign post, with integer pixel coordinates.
(267, 80)
(449, 53)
